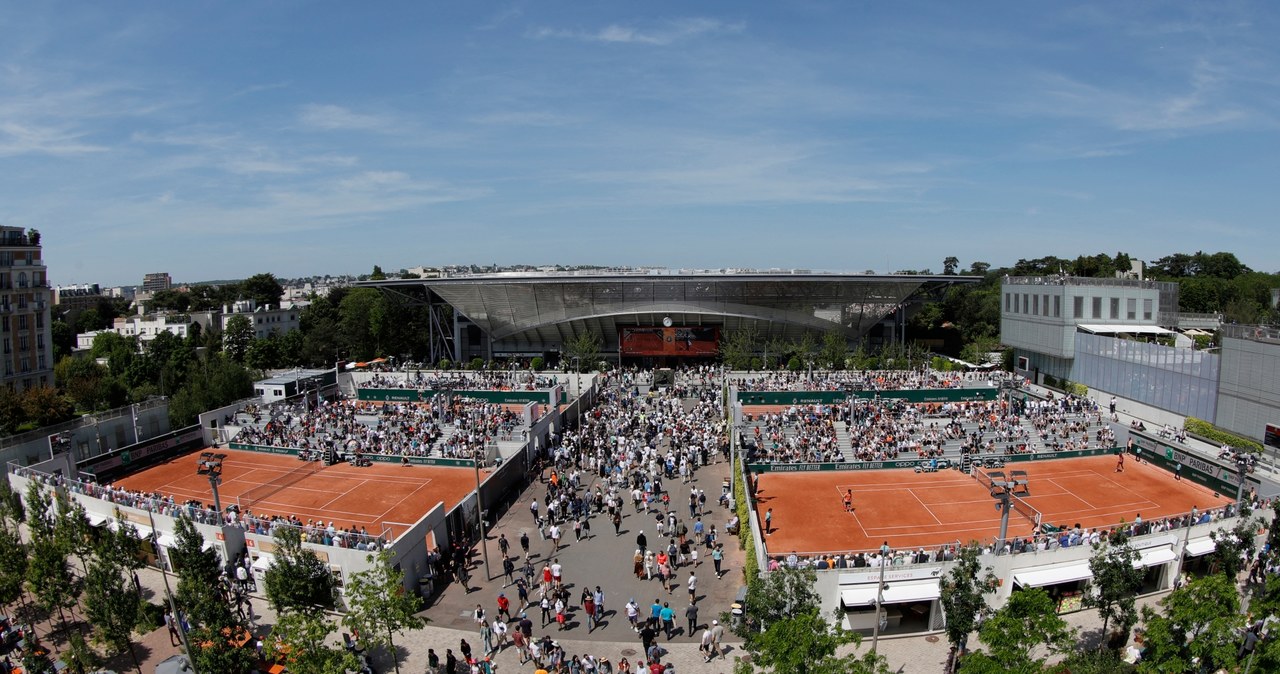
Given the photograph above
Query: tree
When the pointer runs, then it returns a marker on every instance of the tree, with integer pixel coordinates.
(363, 322)
(1029, 620)
(262, 353)
(81, 378)
(113, 605)
(378, 274)
(738, 347)
(585, 346)
(785, 631)
(237, 336)
(1201, 622)
(379, 606)
(950, 264)
(1116, 582)
(78, 657)
(89, 320)
(214, 654)
(963, 602)
(1232, 547)
(13, 566)
(12, 416)
(297, 580)
(198, 578)
(302, 639)
(45, 406)
(834, 350)
(64, 339)
(50, 579)
(263, 289)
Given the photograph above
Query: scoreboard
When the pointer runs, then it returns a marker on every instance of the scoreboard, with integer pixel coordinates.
(1272, 437)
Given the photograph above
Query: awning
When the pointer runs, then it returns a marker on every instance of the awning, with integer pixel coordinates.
(1200, 546)
(1153, 556)
(96, 520)
(207, 545)
(1127, 329)
(1041, 576)
(858, 595)
(143, 532)
(906, 593)
(263, 561)
(166, 541)
(896, 593)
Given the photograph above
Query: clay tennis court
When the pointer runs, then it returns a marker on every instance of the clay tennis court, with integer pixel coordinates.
(384, 495)
(912, 510)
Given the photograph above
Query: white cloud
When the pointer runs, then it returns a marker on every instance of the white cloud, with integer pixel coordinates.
(19, 138)
(666, 34)
(335, 117)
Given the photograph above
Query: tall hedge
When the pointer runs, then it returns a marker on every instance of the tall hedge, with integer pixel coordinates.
(1208, 431)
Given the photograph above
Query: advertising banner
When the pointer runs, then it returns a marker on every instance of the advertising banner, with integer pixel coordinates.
(676, 341)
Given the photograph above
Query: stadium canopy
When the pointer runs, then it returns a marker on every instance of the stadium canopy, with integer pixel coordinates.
(541, 311)
(1125, 329)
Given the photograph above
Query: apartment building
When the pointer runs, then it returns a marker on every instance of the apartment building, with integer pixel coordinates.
(26, 341)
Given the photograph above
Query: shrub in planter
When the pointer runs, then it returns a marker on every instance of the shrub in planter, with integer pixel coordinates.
(477, 363)
(794, 364)
(537, 363)
(444, 364)
(1208, 431)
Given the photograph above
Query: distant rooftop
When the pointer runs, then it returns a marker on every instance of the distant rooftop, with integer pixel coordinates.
(660, 271)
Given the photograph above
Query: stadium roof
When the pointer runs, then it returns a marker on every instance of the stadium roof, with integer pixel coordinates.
(550, 308)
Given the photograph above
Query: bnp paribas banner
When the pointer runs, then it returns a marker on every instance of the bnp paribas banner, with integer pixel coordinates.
(407, 395)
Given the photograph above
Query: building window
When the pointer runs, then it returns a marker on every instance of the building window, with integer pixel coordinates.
(1026, 303)
(1006, 303)
(1057, 306)
(1035, 305)
(22, 322)
(1097, 307)
(1115, 308)
(1046, 305)
(1146, 310)
(1131, 309)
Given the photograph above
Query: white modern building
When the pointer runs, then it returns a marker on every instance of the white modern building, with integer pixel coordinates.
(265, 319)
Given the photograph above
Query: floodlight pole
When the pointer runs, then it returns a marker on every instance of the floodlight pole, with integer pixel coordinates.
(875, 625)
(173, 606)
(484, 537)
(1004, 505)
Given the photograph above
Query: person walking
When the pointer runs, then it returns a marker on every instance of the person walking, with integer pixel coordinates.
(717, 636)
(717, 557)
(768, 522)
(693, 588)
(642, 542)
(524, 542)
(668, 616)
(691, 614)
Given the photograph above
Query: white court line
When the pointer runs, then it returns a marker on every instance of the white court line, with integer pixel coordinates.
(1077, 496)
(926, 508)
(397, 504)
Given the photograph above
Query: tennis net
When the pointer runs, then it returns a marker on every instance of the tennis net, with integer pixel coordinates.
(983, 479)
(1026, 510)
(263, 491)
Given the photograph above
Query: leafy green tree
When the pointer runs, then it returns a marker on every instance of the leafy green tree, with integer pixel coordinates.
(963, 597)
(215, 381)
(585, 346)
(364, 322)
(834, 350)
(64, 339)
(1233, 546)
(378, 274)
(12, 415)
(1197, 623)
(320, 323)
(302, 638)
(45, 406)
(89, 320)
(774, 597)
(950, 265)
(378, 605)
(1011, 636)
(738, 347)
(198, 571)
(237, 336)
(262, 354)
(1116, 582)
(1102, 661)
(13, 566)
(263, 289)
(79, 657)
(214, 654)
(114, 606)
(297, 580)
(50, 579)
(807, 644)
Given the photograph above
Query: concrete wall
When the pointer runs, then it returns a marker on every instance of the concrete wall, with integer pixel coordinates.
(90, 435)
(1248, 387)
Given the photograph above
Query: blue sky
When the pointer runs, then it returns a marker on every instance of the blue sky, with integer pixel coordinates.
(218, 140)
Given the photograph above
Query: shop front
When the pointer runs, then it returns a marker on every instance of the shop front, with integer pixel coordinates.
(908, 601)
(1065, 583)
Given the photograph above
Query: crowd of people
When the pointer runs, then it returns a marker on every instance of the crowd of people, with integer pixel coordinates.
(631, 456)
(863, 380)
(449, 426)
(497, 380)
(892, 429)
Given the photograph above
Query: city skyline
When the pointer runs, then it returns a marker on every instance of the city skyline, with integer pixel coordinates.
(217, 142)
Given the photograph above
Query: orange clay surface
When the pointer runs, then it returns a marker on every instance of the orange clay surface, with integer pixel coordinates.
(912, 510)
(382, 494)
